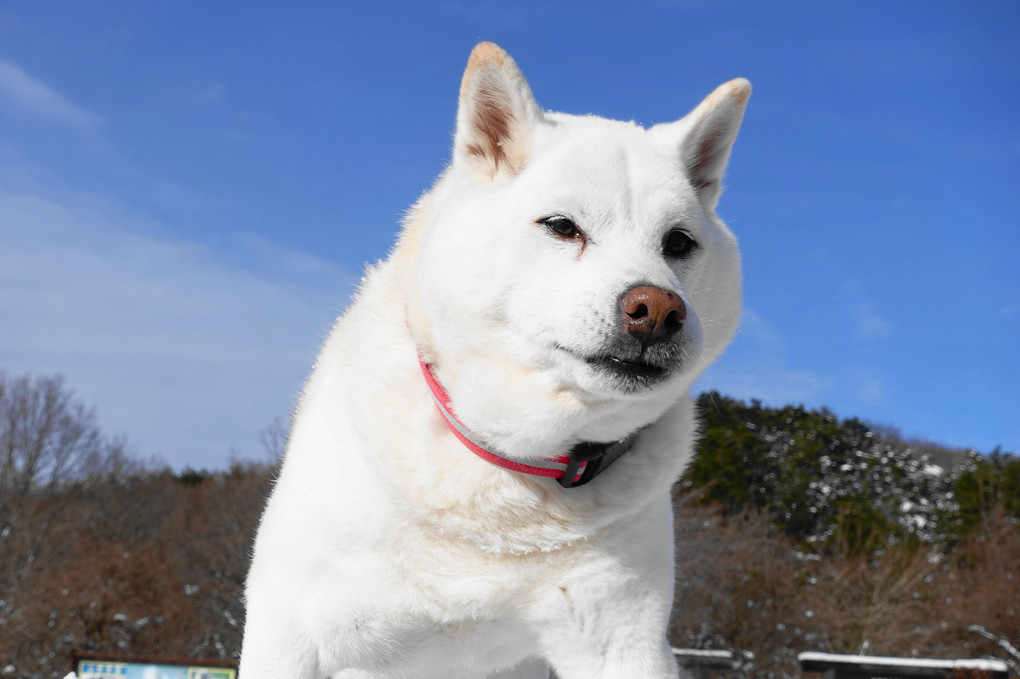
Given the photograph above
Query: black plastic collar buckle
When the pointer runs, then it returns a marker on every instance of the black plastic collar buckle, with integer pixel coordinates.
(598, 456)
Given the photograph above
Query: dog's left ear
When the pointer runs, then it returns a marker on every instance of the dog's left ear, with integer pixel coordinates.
(705, 137)
(496, 116)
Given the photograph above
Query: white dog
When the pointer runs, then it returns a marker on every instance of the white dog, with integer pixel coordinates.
(478, 477)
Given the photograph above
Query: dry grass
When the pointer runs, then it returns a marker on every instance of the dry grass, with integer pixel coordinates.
(154, 567)
(741, 587)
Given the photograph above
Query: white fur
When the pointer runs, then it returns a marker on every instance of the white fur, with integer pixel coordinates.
(387, 548)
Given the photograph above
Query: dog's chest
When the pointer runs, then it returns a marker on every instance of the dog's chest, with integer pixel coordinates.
(433, 602)
(446, 648)
(473, 643)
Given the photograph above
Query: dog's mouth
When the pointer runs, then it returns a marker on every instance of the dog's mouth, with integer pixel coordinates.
(629, 368)
(633, 370)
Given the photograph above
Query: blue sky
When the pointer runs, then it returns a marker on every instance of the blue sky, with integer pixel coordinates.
(189, 191)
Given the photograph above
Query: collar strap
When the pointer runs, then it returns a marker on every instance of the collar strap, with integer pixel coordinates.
(583, 463)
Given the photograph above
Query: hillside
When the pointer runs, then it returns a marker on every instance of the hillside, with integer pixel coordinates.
(796, 531)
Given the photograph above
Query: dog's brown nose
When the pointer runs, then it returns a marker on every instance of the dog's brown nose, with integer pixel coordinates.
(652, 314)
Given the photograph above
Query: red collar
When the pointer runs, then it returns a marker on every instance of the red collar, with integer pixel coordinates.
(583, 463)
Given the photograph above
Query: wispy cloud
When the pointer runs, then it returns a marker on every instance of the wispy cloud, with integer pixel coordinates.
(187, 350)
(766, 379)
(755, 367)
(872, 391)
(757, 328)
(871, 325)
(30, 97)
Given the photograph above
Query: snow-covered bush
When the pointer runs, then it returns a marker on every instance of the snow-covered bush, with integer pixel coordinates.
(835, 483)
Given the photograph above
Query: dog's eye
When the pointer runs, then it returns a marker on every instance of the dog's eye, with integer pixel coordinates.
(678, 244)
(562, 227)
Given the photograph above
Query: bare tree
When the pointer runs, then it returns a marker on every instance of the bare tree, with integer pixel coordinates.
(49, 445)
(274, 439)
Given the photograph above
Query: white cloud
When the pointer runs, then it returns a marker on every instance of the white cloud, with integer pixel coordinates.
(28, 96)
(872, 391)
(754, 367)
(185, 350)
(757, 328)
(870, 324)
(767, 379)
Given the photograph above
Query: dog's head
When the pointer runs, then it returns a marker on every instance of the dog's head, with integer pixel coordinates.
(580, 252)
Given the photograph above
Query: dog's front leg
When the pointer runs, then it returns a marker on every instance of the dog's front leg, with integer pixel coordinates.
(607, 618)
(625, 658)
(529, 669)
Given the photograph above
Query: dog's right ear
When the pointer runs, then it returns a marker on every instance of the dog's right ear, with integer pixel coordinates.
(496, 116)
